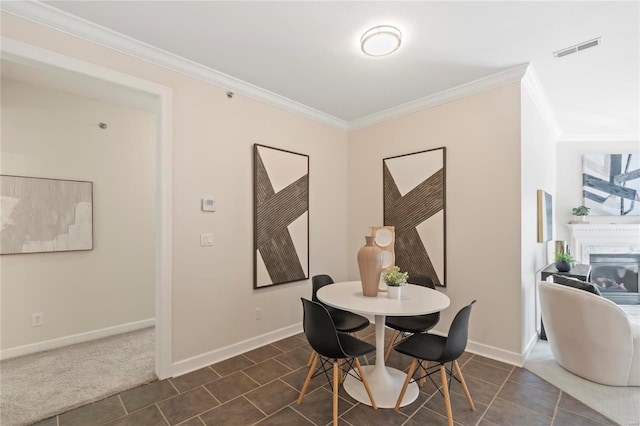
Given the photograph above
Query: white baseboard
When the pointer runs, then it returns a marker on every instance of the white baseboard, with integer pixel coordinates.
(532, 344)
(200, 361)
(75, 338)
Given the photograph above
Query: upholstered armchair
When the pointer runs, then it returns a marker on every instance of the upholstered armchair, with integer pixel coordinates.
(591, 336)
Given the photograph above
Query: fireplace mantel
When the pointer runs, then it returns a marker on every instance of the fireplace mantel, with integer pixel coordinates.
(603, 237)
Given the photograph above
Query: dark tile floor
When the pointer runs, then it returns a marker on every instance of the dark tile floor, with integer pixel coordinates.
(260, 387)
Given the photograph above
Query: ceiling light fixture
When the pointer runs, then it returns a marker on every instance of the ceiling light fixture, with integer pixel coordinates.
(381, 40)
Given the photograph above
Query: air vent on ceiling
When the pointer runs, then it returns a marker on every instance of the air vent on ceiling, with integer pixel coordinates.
(577, 48)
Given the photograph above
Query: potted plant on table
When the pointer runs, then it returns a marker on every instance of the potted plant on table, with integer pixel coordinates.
(395, 280)
(564, 262)
(582, 212)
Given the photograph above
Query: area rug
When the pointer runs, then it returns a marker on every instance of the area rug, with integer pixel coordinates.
(620, 404)
(38, 386)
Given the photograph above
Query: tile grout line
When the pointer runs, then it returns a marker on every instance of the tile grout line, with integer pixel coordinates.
(495, 396)
(555, 409)
(162, 414)
(122, 403)
(257, 408)
(282, 363)
(212, 396)
(253, 380)
(174, 386)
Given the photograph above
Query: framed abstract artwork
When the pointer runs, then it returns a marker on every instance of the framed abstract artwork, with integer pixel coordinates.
(414, 192)
(45, 215)
(281, 216)
(611, 184)
(545, 216)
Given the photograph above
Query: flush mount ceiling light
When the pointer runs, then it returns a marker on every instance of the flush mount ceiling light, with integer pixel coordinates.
(381, 40)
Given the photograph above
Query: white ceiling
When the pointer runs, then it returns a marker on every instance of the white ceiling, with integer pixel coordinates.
(309, 51)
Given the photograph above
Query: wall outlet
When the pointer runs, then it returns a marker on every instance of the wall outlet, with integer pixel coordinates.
(37, 319)
(258, 314)
(206, 240)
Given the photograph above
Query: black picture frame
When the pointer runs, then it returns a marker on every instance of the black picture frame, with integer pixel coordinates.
(414, 198)
(281, 216)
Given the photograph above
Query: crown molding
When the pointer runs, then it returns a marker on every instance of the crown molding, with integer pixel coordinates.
(493, 81)
(531, 83)
(49, 16)
(599, 138)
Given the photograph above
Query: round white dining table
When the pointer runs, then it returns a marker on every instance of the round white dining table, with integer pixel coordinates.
(385, 382)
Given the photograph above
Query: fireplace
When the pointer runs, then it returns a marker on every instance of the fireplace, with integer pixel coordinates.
(616, 276)
(613, 251)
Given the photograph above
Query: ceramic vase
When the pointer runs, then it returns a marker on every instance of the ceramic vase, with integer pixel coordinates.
(563, 266)
(370, 264)
(394, 292)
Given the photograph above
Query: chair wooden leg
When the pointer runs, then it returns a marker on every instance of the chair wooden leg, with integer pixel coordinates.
(366, 361)
(308, 379)
(393, 339)
(335, 392)
(412, 369)
(366, 384)
(311, 357)
(445, 391)
(423, 380)
(464, 385)
(340, 372)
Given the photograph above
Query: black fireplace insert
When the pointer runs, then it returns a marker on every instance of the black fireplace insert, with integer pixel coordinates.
(616, 276)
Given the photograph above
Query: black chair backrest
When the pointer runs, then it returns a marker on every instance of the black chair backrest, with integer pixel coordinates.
(422, 280)
(317, 282)
(320, 330)
(458, 335)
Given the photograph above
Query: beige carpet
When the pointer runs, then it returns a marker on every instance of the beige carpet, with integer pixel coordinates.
(621, 404)
(38, 386)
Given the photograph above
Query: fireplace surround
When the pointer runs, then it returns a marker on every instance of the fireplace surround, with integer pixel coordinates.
(613, 251)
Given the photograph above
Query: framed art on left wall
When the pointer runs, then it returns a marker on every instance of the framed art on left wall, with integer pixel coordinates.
(281, 216)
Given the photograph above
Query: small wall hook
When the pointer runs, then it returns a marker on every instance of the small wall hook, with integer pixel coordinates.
(230, 94)
(103, 125)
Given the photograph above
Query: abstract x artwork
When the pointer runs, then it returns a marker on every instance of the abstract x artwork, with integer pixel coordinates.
(281, 216)
(414, 203)
(611, 184)
(45, 215)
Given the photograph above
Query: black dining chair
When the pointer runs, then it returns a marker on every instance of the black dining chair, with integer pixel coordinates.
(405, 326)
(331, 347)
(344, 321)
(427, 347)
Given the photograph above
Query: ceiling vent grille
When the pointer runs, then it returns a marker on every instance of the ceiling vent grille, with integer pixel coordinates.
(577, 48)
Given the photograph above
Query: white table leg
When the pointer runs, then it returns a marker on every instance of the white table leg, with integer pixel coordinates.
(385, 382)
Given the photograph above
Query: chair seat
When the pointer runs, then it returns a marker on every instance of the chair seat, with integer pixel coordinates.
(353, 346)
(347, 322)
(425, 346)
(413, 324)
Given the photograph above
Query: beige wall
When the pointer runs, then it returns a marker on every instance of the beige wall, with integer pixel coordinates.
(569, 172)
(213, 300)
(482, 136)
(46, 133)
(538, 172)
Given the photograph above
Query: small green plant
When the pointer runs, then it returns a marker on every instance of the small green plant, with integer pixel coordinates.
(580, 211)
(565, 256)
(394, 278)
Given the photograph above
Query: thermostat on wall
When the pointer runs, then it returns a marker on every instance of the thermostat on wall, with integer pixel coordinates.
(208, 205)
